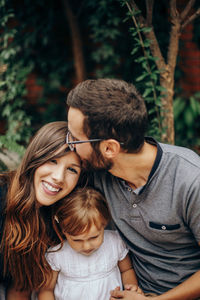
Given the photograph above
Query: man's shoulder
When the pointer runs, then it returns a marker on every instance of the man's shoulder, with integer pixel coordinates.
(102, 177)
(183, 153)
(103, 181)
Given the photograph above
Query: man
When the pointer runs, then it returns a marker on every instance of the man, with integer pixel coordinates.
(153, 189)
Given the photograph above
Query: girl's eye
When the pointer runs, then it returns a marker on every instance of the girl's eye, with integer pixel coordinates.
(94, 237)
(73, 170)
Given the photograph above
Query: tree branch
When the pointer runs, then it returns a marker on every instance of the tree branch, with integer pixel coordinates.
(173, 10)
(77, 46)
(191, 18)
(154, 46)
(187, 9)
(149, 11)
(140, 17)
(174, 35)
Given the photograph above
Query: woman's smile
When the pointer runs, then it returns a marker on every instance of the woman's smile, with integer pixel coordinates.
(50, 188)
(56, 178)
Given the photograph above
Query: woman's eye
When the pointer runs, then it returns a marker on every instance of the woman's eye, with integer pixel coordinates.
(73, 170)
(54, 161)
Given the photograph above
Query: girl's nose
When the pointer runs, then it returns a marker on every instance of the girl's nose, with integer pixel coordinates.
(86, 246)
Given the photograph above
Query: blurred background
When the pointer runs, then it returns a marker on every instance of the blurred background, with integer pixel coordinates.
(48, 46)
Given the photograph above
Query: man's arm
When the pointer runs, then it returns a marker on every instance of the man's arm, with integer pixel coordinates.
(187, 290)
(47, 291)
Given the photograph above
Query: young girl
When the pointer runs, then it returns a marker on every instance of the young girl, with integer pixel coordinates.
(91, 261)
(48, 172)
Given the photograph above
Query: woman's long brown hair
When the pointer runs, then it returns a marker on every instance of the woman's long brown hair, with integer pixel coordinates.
(25, 238)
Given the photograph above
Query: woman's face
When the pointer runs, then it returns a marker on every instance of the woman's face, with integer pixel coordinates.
(56, 178)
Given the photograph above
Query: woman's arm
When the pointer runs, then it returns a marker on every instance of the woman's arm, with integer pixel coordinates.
(47, 291)
(13, 294)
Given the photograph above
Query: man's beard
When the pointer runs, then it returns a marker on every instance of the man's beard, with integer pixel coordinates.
(97, 162)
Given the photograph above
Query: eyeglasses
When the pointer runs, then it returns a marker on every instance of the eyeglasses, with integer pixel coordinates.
(72, 142)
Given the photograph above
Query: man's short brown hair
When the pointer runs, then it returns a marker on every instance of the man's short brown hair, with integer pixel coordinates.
(113, 109)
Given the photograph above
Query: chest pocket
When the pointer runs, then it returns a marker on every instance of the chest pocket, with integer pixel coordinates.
(159, 226)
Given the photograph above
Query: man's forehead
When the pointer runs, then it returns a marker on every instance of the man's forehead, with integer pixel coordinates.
(75, 121)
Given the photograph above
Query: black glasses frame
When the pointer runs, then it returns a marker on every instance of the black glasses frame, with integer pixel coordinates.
(73, 143)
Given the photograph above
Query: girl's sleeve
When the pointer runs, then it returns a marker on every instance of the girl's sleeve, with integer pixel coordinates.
(52, 258)
(122, 249)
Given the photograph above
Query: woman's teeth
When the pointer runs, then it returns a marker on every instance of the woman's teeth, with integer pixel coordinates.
(50, 187)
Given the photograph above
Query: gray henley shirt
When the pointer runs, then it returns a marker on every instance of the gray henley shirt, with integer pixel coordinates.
(160, 222)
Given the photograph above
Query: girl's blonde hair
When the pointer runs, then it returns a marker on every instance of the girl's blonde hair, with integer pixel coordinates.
(80, 210)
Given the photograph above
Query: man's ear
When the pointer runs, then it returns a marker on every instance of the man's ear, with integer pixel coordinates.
(109, 148)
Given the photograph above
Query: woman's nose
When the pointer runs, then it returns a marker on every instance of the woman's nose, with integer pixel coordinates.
(58, 174)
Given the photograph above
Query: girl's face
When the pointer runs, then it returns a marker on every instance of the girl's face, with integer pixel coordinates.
(56, 178)
(88, 242)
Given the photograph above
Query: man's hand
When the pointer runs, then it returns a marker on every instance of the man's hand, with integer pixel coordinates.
(128, 295)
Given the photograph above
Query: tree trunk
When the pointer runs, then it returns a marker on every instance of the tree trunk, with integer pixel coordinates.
(167, 81)
(79, 63)
(178, 21)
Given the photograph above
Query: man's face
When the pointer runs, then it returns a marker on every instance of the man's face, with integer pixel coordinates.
(91, 159)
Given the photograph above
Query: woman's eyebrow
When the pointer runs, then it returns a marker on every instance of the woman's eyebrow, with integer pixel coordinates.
(75, 165)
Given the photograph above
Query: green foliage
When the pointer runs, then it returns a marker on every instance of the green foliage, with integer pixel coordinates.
(104, 27)
(36, 40)
(12, 83)
(3, 167)
(187, 120)
(148, 80)
(29, 46)
(6, 142)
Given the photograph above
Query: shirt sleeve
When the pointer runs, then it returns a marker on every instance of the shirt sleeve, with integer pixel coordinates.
(122, 249)
(52, 257)
(192, 208)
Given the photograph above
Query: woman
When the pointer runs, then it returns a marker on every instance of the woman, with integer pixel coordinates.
(48, 172)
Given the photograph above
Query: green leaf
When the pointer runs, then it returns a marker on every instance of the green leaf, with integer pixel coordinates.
(142, 77)
(146, 29)
(147, 92)
(134, 51)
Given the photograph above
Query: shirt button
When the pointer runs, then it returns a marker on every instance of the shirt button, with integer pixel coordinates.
(134, 205)
(163, 227)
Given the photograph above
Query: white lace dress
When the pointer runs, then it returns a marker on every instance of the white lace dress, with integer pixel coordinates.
(88, 277)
